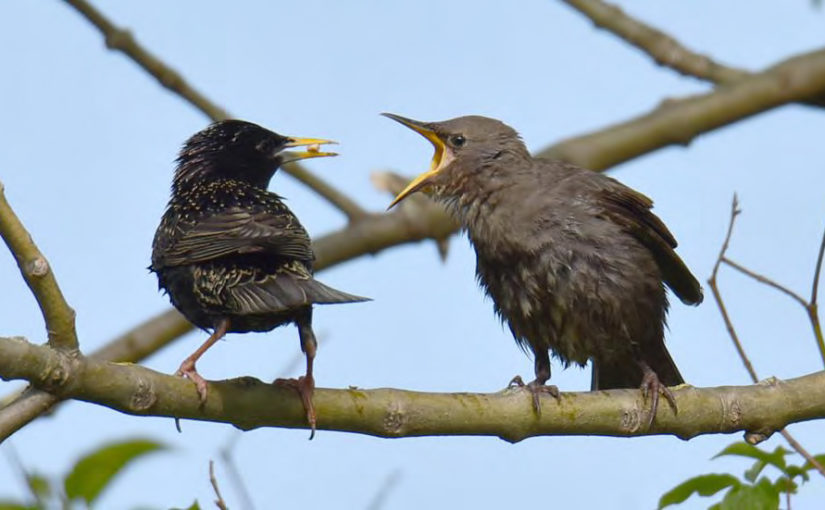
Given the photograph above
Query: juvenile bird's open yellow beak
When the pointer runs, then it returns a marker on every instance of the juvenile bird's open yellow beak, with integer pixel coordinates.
(313, 148)
(441, 158)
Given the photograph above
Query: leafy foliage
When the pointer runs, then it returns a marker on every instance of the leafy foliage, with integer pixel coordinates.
(87, 479)
(752, 491)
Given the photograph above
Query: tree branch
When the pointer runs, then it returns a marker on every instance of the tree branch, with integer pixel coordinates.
(678, 122)
(57, 314)
(248, 403)
(122, 40)
(714, 287)
(661, 47)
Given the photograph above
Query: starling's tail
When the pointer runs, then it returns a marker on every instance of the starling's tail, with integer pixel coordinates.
(322, 294)
(628, 374)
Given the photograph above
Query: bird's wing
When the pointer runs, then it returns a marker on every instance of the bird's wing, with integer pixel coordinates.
(238, 231)
(631, 211)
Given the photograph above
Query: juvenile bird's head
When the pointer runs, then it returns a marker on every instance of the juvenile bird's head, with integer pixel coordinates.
(471, 153)
(239, 150)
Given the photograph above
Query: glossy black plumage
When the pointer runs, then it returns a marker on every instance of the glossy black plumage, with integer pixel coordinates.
(230, 254)
(575, 262)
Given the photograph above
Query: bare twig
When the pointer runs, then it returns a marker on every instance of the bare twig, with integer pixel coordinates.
(712, 283)
(122, 40)
(380, 498)
(25, 477)
(818, 270)
(813, 306)
(57, 314)
(661, 47)
(214, 481)
(714, 287)
(767, 281)
(234, 474)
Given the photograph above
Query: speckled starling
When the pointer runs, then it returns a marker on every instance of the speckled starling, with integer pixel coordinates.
(575, 261)
(230, 254)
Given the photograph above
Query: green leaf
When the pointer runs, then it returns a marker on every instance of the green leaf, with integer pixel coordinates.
(819, 458)
(13, 505)
(703, 485)
(38, 485)
(784, 484)
(92, 473)
(777, 458)
(193, 506)
(753, 473)
(794, 471)
(762, 496)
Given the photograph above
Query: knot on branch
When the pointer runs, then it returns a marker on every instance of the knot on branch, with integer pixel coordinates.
(56, 375)
(144, 396)
(118, 39)
(38, 267)
(394, 420)
(631, 420)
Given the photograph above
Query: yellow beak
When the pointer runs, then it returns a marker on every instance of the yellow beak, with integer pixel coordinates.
(438, 162)
(313, 150)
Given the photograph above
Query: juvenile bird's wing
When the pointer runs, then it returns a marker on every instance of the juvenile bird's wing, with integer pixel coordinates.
(237, 231)
(631, 211)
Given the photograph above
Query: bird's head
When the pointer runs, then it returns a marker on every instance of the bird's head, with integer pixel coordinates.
(240, 150)
(468, 151)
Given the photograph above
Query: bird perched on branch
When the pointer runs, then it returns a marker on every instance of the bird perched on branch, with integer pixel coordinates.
(574, 261)
(230, 254)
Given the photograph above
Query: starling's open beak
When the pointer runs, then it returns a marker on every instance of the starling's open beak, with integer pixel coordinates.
(441, 158)
(313, 149)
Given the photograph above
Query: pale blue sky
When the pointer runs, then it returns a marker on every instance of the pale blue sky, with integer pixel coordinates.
(89, 141)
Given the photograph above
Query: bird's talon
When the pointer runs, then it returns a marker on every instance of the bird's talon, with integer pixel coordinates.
(516, 382)
(651, 386)
(305, 386)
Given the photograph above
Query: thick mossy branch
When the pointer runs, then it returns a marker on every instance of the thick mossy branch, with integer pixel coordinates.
(248, 403)
(57, 314)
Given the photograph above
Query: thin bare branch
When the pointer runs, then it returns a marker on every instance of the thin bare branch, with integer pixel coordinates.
(712, 283)
(381, 496)
(220, 503)
(818, 270)
(122, 40)
(57, 314)
(802, 451)
(714, 287)
(767, 281)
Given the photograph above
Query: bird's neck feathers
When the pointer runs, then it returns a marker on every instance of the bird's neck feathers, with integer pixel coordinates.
(196, 169)
(473, 190)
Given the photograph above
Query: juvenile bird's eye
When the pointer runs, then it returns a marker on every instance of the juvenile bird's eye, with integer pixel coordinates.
(457, 140)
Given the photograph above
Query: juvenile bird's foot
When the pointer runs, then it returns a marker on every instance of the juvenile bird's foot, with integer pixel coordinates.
(535, 387)
(305, 386)
(652, 386)
(187, 370)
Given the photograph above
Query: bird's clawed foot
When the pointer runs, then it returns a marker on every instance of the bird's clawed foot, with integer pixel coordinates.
(305, 386)
(653, 387)
(536, 388)
(187, 370)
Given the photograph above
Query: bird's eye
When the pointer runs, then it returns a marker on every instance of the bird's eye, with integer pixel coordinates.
(457, 140)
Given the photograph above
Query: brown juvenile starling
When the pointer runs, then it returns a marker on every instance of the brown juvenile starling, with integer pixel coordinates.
(574, 261)
(230, 254)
